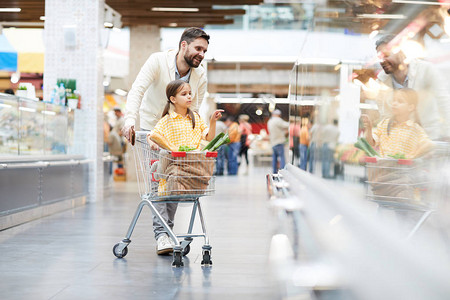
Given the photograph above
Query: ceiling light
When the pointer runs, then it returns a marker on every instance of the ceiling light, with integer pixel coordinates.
(27, 109)
(108, 24)
(417, 2)
(381, 16)
(173, 24)
(373, 34)
(120, 92)
(179, 9)
(10, 9)
(258, 112)
(42, 18)
(15, 77)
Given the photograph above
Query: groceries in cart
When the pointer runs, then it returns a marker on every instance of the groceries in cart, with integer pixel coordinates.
(396, 172)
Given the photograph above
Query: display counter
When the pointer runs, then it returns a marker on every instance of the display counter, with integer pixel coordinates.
(37, 175)
(29, 127)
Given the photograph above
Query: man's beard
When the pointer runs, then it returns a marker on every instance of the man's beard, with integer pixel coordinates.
(191, 60)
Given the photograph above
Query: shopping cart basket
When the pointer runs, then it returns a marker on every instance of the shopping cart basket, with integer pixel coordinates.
(172, 177)
(401, 185)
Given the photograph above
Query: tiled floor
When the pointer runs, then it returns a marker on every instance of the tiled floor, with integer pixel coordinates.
(69, 255)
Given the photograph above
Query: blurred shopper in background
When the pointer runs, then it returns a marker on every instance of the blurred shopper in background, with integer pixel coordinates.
(278, 128)
(246, 130)
(433, 107)
(314, 137)
(147, 98)
(221, 152)
(304, 143)
(294, 138)
(330, 137)
(120, 121)
(234, 146)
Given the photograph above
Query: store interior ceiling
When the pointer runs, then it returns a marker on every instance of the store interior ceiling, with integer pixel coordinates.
(328, 14)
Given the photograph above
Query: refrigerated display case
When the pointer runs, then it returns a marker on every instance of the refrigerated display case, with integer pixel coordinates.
(29, 127)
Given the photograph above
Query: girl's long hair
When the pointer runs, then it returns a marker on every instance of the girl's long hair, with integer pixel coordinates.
(411, 97)
(172, 89)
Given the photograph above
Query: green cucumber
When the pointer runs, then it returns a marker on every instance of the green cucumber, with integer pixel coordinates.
(224, 140)
(213, 141)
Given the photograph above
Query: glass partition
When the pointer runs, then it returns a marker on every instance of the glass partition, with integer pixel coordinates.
(370, 105)
(30, 127)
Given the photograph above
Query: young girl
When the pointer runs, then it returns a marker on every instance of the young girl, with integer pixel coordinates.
(180, 126)
(399, 134)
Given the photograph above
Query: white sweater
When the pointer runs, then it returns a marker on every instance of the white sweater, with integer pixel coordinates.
(147, 96)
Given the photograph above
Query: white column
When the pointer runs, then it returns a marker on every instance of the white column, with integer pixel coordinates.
(73, 49)
(144, 40)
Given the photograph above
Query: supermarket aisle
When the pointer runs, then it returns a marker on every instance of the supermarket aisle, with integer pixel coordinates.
(69, 255)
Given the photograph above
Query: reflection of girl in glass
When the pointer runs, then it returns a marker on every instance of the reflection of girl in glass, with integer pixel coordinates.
(399, 134)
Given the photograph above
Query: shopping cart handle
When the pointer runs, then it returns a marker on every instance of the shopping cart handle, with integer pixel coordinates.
(211, 154)
(178, 153)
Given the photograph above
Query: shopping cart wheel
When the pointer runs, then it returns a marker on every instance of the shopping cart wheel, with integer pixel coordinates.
(120, 254)
(186, 250)
(177, 259)
(206, 257)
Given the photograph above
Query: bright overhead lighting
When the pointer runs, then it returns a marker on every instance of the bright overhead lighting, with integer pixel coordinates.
(48, 112)
(120, 92)
(5, 105)
(108, 24)
(178, 9)
(42, 18)
(381, 16)
(417, 2)
(173, 24)
(27, 109)
(10, 9)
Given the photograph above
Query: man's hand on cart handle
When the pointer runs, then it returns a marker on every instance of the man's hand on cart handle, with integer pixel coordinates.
(129, 133)
(152, 144)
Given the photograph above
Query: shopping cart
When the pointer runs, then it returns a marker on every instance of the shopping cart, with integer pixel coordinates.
(402, 185)
(172, 177)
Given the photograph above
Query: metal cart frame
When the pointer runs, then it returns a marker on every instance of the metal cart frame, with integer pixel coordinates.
(145, 157)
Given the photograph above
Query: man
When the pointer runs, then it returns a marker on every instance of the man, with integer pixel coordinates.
(277, 134)
(148, 98)
(220, 162)
(234, 146)
(304, 144)
(330, 136)
(434, 100)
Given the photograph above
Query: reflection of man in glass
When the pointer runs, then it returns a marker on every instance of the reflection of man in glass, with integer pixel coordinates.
(434, 98)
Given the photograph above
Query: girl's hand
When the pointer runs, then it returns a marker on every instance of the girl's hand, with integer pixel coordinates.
(217, 115)
(366, 121)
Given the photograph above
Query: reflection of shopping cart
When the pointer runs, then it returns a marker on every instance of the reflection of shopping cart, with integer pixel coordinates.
(401, 185)
(172, 177)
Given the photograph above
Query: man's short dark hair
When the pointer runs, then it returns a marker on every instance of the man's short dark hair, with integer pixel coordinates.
(191, 34)
(384, 40)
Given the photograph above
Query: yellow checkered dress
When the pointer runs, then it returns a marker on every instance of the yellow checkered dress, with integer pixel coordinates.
(178, 131)
(403, 138)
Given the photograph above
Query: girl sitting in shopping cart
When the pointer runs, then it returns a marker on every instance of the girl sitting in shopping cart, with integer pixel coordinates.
(399, 135)
(179, 125)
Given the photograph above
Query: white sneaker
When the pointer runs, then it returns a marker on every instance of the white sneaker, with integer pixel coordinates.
(164, 245)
